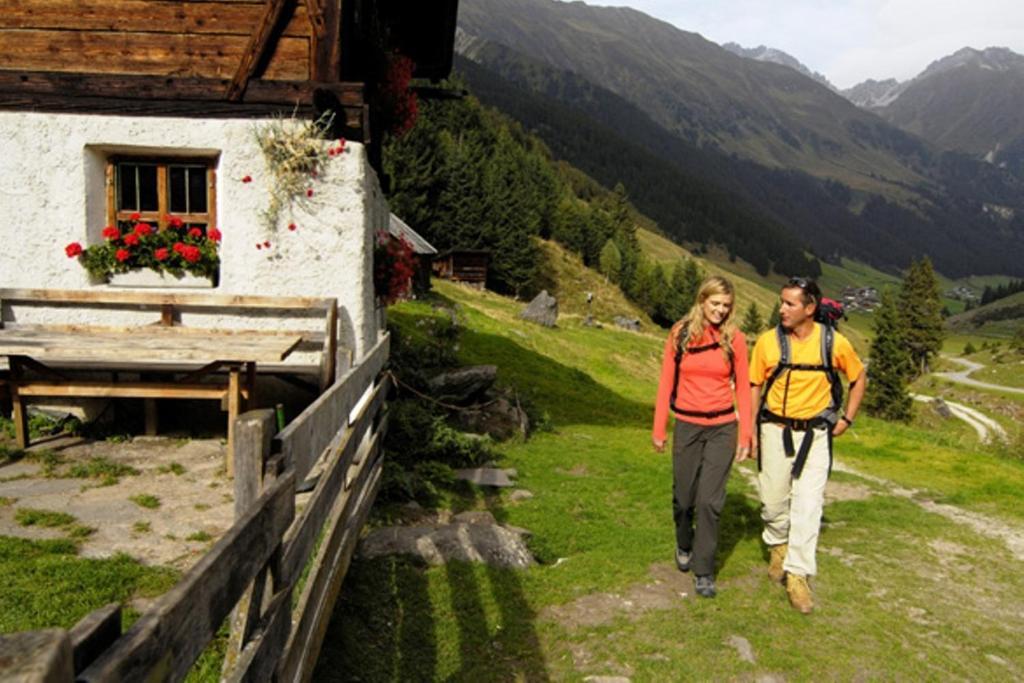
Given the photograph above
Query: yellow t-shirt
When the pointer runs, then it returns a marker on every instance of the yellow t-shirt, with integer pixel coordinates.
(809, 391)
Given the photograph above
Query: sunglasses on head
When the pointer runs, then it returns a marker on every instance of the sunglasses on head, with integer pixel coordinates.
(800, 282)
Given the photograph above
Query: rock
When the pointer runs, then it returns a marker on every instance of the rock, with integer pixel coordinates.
(463, 384)
(520, 494)
(742, 647)
(436, 545)
(485, 476)
(942, 409)
(500, 419)
(474, 517)
(631, 324)
(543, 310)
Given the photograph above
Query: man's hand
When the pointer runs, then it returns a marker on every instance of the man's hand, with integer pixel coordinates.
(841, 426)
(659, 445)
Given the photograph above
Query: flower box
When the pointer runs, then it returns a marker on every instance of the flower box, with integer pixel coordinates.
(152, 278)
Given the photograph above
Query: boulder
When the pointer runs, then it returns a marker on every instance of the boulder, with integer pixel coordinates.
(941, 408)
(478, 541)
(463, 384)
(625, 323)
(500, 419)
(543, 310)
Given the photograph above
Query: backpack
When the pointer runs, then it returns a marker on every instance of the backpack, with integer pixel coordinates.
(829, 312)
(681, 340)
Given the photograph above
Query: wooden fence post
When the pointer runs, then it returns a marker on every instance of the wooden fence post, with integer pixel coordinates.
(254, 434)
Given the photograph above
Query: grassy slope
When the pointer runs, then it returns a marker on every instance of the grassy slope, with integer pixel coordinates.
(903, 594)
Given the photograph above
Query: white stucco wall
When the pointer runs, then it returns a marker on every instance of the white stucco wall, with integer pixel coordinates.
(52, 193)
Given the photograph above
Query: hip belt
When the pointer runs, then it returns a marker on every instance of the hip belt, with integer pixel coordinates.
(705, 415)
(807, 426)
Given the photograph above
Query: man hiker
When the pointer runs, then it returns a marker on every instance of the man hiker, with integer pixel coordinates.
(797, 402)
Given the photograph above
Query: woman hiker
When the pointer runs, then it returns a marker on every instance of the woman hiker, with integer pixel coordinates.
(705, 384)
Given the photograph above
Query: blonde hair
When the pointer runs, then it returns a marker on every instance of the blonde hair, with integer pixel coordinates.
(694, 323)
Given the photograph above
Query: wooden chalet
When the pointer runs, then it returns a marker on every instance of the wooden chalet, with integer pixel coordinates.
(463, 265)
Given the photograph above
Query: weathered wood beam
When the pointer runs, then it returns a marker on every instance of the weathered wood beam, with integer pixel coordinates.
(259, 42)
(325, 49)
(259, 91)
(145, 16)
(158, 299)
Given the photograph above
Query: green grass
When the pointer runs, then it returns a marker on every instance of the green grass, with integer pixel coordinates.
(200, 536)
(104, 469)
(43, 518)
(142, 527)
(146, 500)
(46, 585)
(175, 468)
(903, 594)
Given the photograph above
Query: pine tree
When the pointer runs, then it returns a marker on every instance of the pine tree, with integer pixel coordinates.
(774, 319)
(676, 302)
(752, 321)
(692, 277)
(921, 308)
(611, 262)
(887, 396)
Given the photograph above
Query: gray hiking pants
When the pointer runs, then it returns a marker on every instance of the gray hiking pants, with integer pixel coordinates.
(701, 459)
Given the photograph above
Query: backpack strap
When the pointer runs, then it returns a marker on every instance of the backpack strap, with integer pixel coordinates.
(681, 349)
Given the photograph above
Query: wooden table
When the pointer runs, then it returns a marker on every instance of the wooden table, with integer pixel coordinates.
(48, 350)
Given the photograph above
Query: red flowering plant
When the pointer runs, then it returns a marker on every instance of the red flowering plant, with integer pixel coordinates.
(395, 101)
(394, 263)
(176, 248)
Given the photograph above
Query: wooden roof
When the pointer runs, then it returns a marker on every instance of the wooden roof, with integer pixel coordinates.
(236, 57)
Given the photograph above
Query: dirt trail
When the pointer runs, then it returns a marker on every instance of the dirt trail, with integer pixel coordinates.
(963, 376)
(984, 425)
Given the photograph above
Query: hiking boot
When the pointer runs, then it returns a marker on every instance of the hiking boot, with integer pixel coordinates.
(799, 593)
(705, 586)
(778, 556)
(683, 560)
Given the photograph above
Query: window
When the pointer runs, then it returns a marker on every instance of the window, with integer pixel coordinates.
(158, 188)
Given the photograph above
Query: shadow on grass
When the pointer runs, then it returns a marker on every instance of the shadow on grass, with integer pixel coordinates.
(741, 520)
(385, 628)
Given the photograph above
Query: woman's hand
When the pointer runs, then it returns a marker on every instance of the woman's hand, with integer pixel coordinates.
(659, 445)
(742, 453)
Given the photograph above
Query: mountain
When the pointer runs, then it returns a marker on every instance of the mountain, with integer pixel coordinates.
(705, 94)
(971, 101)
(872, 94)
(599, 97)
(762, 53)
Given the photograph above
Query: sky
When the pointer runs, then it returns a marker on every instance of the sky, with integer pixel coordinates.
(849, 41)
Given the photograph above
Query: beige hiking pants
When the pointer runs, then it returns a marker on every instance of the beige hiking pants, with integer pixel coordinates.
(791, 508)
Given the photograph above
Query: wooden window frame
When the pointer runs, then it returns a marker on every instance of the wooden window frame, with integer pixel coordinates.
(159, 217)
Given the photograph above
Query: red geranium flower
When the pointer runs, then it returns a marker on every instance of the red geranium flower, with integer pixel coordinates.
(292, 226)
(259, 246)
(247, 179)
(266, 243)
(195, 233)
(111, 233)
(178, 246)
(143, 229)
(122, 255)
(161, 254)
(73, 249)
(309, 192)
(190, 253)
(131, 239)
(136, 216)
(174, 221)
(213, 234)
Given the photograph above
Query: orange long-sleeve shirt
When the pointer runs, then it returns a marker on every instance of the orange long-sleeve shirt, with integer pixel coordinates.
(705, 385)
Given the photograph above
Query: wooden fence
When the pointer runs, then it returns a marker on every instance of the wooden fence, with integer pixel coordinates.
(256, 574)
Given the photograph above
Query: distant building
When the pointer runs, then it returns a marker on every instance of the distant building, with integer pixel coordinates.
(463, 265)
(860, 298)
(425, 252)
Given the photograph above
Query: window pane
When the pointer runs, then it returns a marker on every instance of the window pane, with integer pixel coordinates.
(147, 188)
(197, 189)
(126, 195)
(179, 200)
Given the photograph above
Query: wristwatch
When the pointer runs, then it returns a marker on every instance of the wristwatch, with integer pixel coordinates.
(848, 421)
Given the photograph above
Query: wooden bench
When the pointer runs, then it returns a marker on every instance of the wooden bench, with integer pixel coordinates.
(161, 346)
